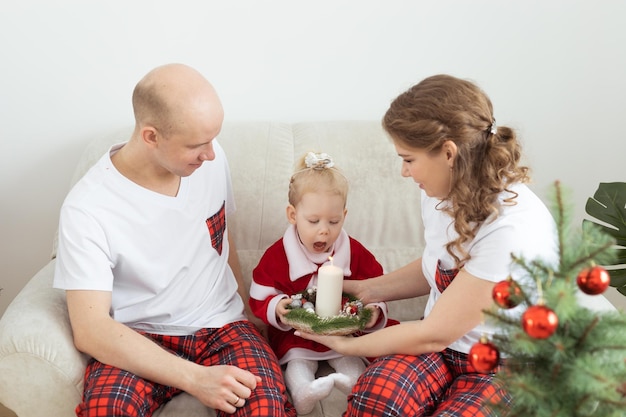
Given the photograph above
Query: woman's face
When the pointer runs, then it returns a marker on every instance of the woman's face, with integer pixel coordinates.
(431, 171)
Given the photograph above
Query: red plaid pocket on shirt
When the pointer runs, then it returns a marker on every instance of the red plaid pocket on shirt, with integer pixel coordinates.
(444, 277)
(217, 225)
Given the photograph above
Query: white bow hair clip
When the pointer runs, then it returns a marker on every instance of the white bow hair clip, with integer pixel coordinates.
(318, 160)
(493, 128)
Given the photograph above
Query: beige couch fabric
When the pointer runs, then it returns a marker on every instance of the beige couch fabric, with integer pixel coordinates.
(41, 373)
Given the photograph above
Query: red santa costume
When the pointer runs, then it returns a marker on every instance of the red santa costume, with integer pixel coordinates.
(288, 268)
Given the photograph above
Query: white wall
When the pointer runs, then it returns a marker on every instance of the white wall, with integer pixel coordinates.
(555, 70)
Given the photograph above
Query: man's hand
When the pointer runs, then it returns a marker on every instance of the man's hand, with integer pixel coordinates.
(223, 387)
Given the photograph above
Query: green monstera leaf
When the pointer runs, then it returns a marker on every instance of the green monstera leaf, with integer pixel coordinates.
(608, 209)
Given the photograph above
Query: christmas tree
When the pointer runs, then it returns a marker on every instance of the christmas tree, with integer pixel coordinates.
(562, 359)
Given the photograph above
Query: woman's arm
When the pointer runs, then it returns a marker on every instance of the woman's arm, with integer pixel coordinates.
(405, 282)
(458, 310)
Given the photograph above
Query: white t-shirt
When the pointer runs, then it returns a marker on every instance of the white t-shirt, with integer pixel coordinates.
(166, 268)
(525, 229)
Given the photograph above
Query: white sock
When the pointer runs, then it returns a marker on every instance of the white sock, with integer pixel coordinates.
(348, 369)
(305, 390)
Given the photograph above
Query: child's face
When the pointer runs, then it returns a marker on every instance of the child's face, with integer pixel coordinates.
(319, 218)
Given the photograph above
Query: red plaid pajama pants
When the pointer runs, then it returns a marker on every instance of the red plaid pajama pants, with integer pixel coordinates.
(433, 384)
(110, 391)
(441, 384)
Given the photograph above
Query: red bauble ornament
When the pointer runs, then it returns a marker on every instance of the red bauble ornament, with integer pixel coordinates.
(507, 294)
(594, 280)
(484, 356)
(539, 322)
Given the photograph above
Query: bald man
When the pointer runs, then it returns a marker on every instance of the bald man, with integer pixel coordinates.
(153, 285)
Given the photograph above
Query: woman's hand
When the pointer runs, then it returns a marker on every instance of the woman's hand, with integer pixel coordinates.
(333, 342)
(358, 289)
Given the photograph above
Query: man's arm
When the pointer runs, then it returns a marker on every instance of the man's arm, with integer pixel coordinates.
(242, 288)
(115, 344)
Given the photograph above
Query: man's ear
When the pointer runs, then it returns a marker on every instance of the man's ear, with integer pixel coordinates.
(149, 135)
(291, 214)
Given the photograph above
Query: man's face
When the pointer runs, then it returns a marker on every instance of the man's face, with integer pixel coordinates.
(186, 148)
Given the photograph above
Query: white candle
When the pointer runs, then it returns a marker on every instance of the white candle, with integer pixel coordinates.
(329, 290)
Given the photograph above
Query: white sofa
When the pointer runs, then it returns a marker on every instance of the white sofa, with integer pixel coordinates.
(41, 373)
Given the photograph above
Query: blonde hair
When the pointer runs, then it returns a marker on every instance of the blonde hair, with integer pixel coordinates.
(442, 108)
(321, 175)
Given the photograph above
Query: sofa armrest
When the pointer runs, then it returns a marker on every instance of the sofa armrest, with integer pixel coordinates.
(39, 365)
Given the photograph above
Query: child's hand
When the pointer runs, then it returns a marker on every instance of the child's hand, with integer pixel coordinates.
(375, 315)
(281, 308)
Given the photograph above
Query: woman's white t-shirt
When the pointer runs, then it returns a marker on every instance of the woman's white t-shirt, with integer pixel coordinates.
(166, 268)
(525, 229)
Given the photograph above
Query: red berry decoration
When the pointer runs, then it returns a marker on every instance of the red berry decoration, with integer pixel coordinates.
(539, 322)
(507, 294)
(484, 356)
(594, 280)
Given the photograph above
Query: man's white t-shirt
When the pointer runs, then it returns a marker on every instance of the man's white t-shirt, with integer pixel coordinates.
(525, 229)
(165, 259)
